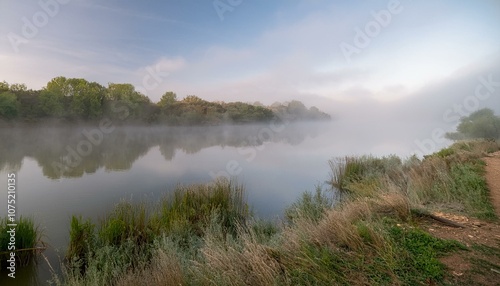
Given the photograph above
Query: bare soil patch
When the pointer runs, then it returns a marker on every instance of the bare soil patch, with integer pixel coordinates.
(479, 264)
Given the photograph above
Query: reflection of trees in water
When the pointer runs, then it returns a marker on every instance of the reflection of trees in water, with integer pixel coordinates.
(119, 149)
(122, 148)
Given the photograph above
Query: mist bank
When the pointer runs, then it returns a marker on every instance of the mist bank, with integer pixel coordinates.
(75, 151)
(437, 104)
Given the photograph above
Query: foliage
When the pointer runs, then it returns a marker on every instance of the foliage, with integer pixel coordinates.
(28, 241)
(9, 106)
(479, 124)
(4, 86)
(79, 99)
(124, 96)
(51, 104)
(296, 110)
(87, 98)
(167, 99)
(120, 91)
(18, 87)
(240, 112)
(29, 106)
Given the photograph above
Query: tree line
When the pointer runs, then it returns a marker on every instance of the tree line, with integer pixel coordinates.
(76, 99)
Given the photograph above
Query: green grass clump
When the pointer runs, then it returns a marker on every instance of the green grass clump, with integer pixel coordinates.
(361, 176)
(418, 255)
(470, 188)
(189, 209)
(445, 152)
(310, 206)
(100, 253)
(28, 241)
(318, 265)
(126, 221)
(81, 242)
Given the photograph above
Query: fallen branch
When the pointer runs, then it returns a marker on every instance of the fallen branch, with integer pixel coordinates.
(25, 249)
(423, 213)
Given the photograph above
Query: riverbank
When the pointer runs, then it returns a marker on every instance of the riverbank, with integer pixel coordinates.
(397, 222)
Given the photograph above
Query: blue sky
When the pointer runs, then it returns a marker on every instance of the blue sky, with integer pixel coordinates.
(259, 50)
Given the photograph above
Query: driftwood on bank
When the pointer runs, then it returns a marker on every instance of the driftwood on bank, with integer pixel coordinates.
(423, 213)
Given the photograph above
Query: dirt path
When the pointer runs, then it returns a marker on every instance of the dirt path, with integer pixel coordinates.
(493, 179)
(480, 265)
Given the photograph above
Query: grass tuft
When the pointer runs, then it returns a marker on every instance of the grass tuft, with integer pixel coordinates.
(28, 241)
(125, 240)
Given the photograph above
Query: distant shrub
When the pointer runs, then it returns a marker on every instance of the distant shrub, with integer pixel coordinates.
(479, 124)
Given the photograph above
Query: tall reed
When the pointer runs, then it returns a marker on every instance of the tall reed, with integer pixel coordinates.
(28, 240)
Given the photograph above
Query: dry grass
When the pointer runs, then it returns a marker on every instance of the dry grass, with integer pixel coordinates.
(350, 227)
(338, 228)
(165, 269)
(428, 180)
(245, 262)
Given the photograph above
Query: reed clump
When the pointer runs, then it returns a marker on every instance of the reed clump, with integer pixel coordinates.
(125, 238)
(28, 241)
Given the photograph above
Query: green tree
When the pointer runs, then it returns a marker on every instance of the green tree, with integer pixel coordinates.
(87, 98)
(51, 103)
(17, 87)
(9, 106)
(244, 113)
(479, 124)
(4, 86)
(167, 100)
(120, 91)
(137, 104)
(193, 99)
(29, 104)
(296, 107)
(60, 86)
